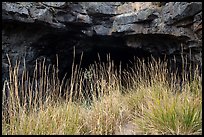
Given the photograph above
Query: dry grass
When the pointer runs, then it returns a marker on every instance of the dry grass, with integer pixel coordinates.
(102, 100)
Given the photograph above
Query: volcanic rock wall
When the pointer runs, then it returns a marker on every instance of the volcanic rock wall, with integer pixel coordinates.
(33, 30)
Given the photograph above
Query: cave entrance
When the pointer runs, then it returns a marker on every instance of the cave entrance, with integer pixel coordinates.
(70, 47)
(97, 50)
(123, 56)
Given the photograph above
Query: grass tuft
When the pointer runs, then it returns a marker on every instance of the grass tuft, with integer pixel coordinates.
(102, 99)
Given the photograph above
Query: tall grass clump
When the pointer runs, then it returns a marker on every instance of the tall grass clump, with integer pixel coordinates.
(159, 104)
(102, 99)
(33, 105)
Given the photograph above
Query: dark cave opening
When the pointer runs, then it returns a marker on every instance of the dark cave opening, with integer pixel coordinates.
(97, 50)
(65, 44)
(123, 56)
(54, 43)
(70, 47)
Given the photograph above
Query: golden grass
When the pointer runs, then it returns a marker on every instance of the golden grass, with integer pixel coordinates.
(145, 95)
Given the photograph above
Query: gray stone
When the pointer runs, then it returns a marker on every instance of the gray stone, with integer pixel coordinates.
(175, 11)
(15, 8)
(18, 12)
(95, 8)
(101, 30)
(55, 4)
(197, 26)
(134, 17)
(65, 17)
(41, 14)
(83, 19)
(79, 8)
(47, 28)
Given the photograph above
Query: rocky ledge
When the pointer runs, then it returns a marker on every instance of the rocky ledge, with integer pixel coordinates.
(33, 30)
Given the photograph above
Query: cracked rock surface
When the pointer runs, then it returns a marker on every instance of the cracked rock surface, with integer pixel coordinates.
(42, 29)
